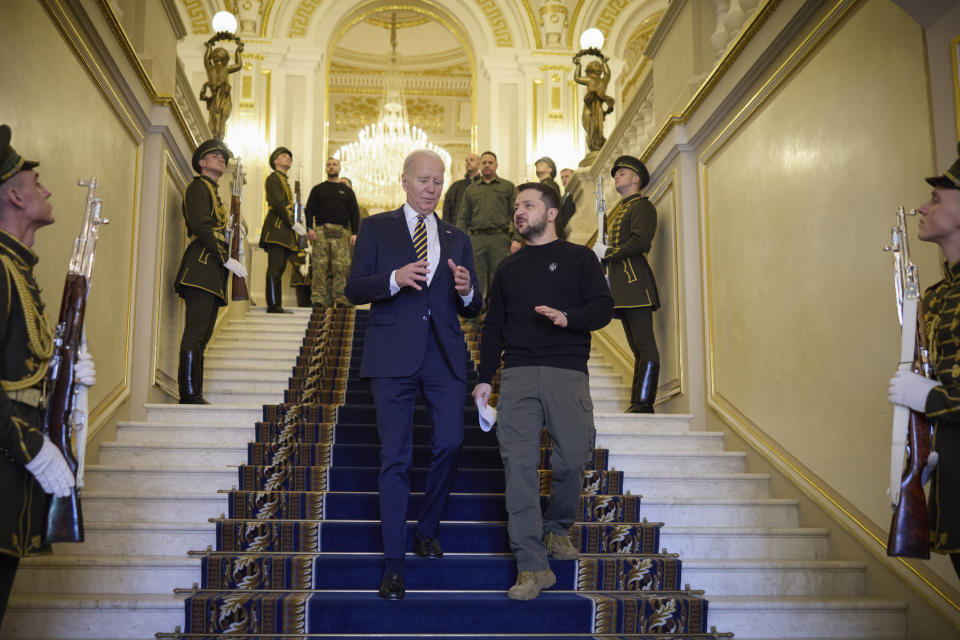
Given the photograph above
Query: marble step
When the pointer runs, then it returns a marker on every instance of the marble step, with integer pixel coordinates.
(607, 378)
(184, 433)
(260, 344)
(155, 454)
(689, 485)
(204, 414)
(264, 330)
(55, 617)
(808, 616)
(217, 372)
(728, 577)
(237, 361)
(141, 538)
(628, 424)
(108, 478)
(611, 404)
(746, 542)
(225, 398)
(721, 512)
(219, 387)
(247, 353)
(106, 574)
(129, 506)
(689, 462)
(608, 391)
(260, 313)
(644, 443)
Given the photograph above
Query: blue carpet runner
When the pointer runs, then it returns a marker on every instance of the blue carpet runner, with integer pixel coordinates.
(298, 554)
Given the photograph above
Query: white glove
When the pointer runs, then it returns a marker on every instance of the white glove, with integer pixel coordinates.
(51, 470)
(235, 268)
(83, 371)
(300, 229)
(304, 270)
(600, 249)
(910, 390)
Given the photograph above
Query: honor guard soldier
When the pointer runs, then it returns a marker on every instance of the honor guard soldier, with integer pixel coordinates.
(939, 398)
(31, 465)
(279, 234)
(202, 278)
(630, 229)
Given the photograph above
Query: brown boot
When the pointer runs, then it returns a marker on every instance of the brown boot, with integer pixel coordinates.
(560, 547)
(530, 584)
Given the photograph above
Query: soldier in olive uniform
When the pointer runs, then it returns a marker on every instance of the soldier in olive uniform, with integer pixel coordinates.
(202, 278)
(279, 236)
(31, 466)
(939, 398)
(486, 214)
(630, 229)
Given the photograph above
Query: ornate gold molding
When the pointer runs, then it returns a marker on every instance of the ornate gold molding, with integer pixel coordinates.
(534, 24)
(197, 13)
(498, 24)
(163, 100)
(301, 18)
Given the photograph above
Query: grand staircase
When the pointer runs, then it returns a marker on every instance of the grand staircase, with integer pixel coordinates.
(147, 505)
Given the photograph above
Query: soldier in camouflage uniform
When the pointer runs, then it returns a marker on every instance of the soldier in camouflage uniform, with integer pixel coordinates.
(279, 236)
(630, 229)
(939, 398)
(333, 218)
(31, 466)
(202, 278)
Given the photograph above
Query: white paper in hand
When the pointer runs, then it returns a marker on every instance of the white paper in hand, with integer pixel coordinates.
(488, 416)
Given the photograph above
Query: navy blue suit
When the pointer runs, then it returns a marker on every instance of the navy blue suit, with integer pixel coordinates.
(413, 341)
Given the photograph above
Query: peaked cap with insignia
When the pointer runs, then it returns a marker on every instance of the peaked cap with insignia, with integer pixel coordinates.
(11, 162)
(950, 178)
(209, 146)
(635, 165)
(277, 152)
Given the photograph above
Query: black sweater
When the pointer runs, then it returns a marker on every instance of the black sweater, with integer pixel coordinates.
(561, 275)
(333, 202)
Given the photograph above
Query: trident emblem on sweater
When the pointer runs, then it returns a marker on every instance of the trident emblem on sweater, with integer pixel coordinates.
(553, 266)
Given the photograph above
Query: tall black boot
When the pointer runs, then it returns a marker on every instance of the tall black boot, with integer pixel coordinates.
(303, 295)
(190, 378)
(644, 392)
(274, 295)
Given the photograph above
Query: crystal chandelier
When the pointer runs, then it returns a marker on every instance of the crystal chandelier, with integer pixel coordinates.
(375, 161)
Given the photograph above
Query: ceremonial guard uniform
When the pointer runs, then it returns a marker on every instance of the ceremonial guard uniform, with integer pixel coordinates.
(939, 398)
(941, 315)
(31, 466)
(277, 237)
(26, 345)
(202, 278)
(630, 230)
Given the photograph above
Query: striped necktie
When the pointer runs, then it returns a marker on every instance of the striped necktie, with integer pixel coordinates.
(420, 238)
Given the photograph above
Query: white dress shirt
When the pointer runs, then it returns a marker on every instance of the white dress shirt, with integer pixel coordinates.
(433, 249)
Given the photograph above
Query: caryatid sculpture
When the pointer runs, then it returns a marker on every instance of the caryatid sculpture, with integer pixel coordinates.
(596, 104)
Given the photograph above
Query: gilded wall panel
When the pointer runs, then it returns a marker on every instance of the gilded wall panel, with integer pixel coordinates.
(173, 240)
(63, 119)
(798, 203)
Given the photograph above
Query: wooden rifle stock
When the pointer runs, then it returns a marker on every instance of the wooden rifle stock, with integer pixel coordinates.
(64, 516)
(909, 535)
(298, 209)
(909, 529)
(238, 290)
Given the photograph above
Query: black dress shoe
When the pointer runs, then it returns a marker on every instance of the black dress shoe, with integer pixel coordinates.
(391, 587)
(428, 548)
